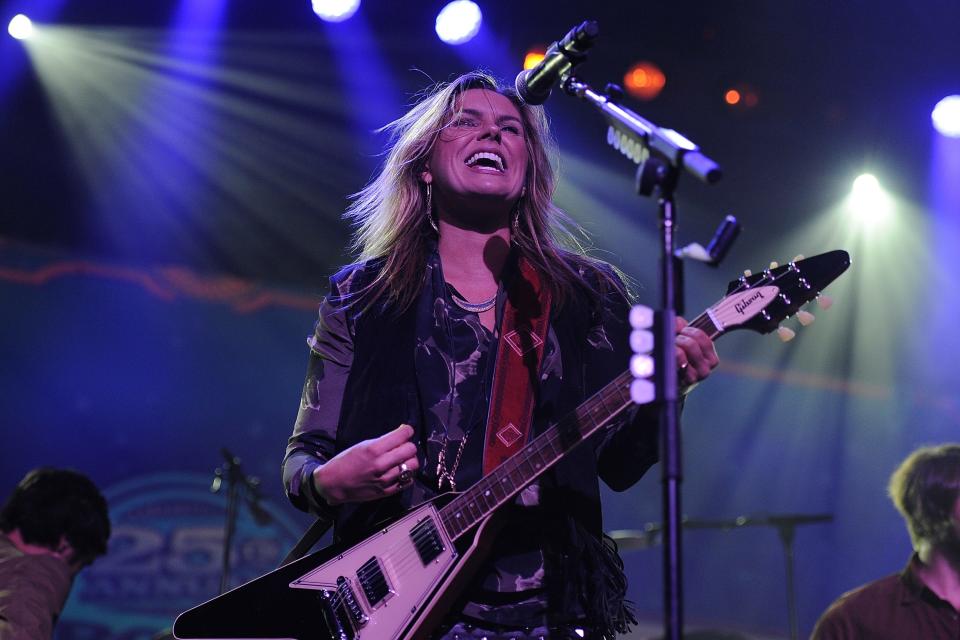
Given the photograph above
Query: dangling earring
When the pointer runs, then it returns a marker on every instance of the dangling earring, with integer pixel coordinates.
(430, 219)
(515, 225)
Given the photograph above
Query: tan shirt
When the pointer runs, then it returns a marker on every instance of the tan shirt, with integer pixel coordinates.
(33, 590)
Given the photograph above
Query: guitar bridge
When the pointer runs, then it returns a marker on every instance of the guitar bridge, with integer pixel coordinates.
(346, 608)
(339, 626)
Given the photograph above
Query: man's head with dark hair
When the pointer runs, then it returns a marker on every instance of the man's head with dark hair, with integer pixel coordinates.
(52, 506)
(925, 488)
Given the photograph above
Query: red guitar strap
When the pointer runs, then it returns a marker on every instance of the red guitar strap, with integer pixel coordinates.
(523, 334)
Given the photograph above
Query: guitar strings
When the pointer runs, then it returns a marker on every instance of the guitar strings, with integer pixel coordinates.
(399, 556)
(399, 565)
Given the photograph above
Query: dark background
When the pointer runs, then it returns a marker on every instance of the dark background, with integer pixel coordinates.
(167, 230)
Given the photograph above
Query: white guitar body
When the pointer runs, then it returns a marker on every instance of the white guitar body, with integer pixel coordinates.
(396, 584)
(409, 582)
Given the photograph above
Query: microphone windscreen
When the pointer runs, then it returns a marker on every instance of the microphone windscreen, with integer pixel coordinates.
(526, 94)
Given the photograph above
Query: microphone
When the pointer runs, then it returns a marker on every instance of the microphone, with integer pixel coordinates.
(534, 85)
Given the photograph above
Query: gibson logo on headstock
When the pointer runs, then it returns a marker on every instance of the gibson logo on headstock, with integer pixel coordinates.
(746, 302)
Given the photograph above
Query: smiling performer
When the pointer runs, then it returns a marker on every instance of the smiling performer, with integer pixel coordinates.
(413, 387)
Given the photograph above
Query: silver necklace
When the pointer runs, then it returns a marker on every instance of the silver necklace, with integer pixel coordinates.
(474, 307)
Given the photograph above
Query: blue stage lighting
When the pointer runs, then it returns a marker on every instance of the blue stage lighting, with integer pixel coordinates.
(335, 10)
(459, 21)
(20, 27)
(946, 116)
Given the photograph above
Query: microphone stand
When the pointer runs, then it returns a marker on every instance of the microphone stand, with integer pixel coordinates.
(238, 485)
(785, 524)
(661, 154)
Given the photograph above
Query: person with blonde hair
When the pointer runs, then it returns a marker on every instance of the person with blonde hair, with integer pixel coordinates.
(923, 600)
(463, 257)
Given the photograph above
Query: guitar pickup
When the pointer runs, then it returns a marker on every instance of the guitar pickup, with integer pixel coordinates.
(373, 581)
(427, 540)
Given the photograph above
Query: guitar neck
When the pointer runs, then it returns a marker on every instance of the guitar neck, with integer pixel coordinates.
(493, 490)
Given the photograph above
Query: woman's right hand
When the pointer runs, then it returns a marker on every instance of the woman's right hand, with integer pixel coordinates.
(368, 470)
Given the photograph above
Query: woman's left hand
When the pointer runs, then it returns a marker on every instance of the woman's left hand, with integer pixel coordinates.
(696, 355)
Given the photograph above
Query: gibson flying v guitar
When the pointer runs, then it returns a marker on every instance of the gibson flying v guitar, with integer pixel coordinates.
(400, 581)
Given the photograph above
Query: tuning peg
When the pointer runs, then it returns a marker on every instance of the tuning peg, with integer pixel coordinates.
(798, 257)
(774, 265)
(825, 302)
(805, 317)
(786, 334)
(747, 273)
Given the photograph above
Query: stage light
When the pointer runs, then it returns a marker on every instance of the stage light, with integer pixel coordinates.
(534, 57)
(20, 27)
(644, 80)
(741, 96)
(335, 10)
(946, 116)
(459, 21)
(868, 203)
(866, 185)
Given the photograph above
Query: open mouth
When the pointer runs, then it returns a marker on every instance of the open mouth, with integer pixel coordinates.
(486, 160)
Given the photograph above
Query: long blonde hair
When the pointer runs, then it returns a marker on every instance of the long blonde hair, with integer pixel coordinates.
(393, 225)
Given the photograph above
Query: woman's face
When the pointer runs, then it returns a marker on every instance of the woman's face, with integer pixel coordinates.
(481, 156)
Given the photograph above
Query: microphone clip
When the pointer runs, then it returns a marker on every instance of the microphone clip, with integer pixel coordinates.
(719, 245)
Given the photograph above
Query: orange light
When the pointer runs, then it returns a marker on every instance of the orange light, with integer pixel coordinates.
(644, 80)
(742, 97)
(533, 58)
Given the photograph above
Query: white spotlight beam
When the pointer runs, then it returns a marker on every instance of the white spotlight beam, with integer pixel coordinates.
(335, 10)
(869, 202)
(459, 22)
(20, 27)
(946, 116)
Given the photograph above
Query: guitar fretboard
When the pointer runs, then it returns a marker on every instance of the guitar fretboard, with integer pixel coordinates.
(544, 451)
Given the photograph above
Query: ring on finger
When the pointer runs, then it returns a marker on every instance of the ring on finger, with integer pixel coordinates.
(406, 475)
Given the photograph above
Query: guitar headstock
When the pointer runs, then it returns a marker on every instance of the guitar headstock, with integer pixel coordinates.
(761, 301)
